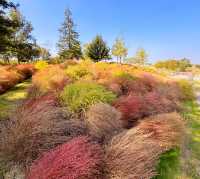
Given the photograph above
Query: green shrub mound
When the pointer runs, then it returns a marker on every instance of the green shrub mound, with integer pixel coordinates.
(76, 72)
(79, 96)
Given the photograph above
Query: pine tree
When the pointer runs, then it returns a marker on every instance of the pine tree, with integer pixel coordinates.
(119, 50)
(69, 45)
(97, 50)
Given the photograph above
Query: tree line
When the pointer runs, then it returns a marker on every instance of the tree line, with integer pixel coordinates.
(70, 47)
(17, 41)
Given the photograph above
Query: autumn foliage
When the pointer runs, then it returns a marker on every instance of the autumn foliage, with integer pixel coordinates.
(135, 152)
(11, 75)
(91, 121)
(37, 126)
(79, 158)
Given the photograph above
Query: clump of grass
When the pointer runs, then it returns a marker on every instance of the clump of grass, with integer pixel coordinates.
(36, 126)
(79, 158)
(76, 72)
(79, 96)
(11, 75)
(103, 121)
(134, 153)
(41, 65)
(186, 89)
(50, 79)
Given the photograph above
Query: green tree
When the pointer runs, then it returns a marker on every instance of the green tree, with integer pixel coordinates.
(24, 46)
(85, 48)
(44, 53)
(141, 56)
(184, 64)
(6, 26)
(97, 50)
(174, 65)
(69, 44)
(119, 49)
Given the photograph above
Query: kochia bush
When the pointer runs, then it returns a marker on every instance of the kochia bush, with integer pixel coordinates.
(135, 152)
(131, 107)
(37, 126)
(103, 121)
(79, 96)
(76, 72)
(40, 65)
(50, 79)
(79, 158)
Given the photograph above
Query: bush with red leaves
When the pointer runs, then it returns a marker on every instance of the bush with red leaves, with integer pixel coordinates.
(155, 103)
(149, 81)
(77, 159)
(122, 85)
(134, 107)
(130, 106)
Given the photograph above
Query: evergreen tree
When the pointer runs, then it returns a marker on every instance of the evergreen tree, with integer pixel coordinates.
(119, 50)
(97, 50)
(69, 45)
(6, 26)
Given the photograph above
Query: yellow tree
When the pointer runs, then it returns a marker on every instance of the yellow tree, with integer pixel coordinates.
(141, 56)
(119, 49)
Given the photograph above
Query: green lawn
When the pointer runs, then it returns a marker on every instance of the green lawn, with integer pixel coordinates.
(9, 99)
(184, 163)
(191, 159)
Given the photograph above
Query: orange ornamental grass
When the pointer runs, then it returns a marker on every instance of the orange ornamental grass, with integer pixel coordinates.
(27, 70)
(52, 78)
(11, 75)
(134, 153)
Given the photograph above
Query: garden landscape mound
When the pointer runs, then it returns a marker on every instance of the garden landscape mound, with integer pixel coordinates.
(94, 120)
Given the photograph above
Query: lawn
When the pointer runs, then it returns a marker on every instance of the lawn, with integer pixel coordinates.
(9, 99)
(184, 163)
(191, 159)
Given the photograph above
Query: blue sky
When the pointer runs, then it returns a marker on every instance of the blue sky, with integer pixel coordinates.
(165, 28)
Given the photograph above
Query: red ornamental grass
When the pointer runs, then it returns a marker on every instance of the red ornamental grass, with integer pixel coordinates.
(134, 107)
(130, 106)
(149, 81)
(79, 158)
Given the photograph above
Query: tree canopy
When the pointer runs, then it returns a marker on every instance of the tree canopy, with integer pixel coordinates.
(174, 65)
(141, 56)
(98, 50)
(119, 49)
(69, 44)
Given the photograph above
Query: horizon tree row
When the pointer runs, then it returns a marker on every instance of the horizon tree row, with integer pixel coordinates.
(69, 46)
